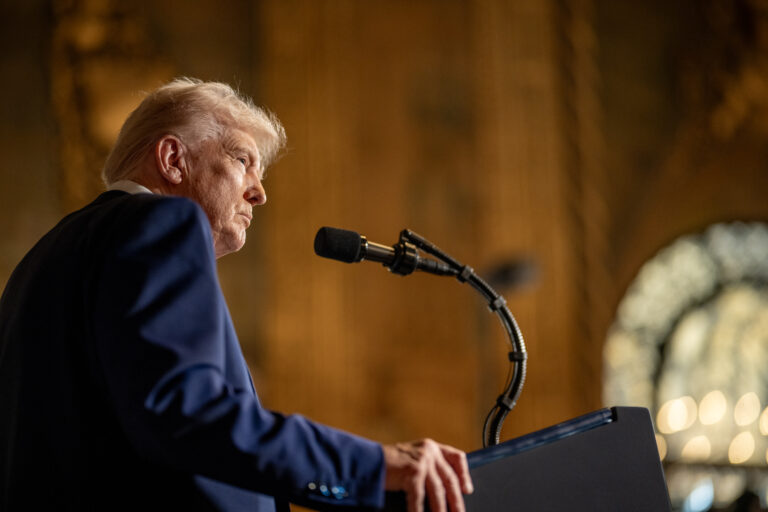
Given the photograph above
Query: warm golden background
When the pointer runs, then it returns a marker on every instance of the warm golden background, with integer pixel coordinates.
(580, 136)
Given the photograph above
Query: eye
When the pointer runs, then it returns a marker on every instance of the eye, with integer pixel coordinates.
(243, 161)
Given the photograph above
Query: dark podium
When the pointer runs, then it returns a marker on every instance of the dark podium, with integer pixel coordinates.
(603, 461)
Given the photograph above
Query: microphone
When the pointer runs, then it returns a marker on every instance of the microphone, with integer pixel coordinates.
(351, 247)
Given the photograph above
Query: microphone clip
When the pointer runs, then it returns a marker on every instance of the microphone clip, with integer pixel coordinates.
(406, 258)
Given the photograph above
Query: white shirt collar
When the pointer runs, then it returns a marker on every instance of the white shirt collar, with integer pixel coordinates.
(129, 186)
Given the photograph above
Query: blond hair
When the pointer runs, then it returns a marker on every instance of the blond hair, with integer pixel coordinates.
(194, 111)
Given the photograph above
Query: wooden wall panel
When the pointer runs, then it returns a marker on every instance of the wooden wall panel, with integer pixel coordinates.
(437, 116)
(525, 195)
(29, 199)
(366, 343)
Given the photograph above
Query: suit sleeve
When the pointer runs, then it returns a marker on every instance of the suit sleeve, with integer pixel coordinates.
(158, 328)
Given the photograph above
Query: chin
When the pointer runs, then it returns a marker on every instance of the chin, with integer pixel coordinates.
(238, 243)
(229, 245)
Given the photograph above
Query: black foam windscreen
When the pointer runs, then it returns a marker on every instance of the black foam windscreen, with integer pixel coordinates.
(338, 244)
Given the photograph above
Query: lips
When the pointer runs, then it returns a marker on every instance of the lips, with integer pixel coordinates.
(248, 216)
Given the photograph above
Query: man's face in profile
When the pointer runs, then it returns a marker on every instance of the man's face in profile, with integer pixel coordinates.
(225, 179)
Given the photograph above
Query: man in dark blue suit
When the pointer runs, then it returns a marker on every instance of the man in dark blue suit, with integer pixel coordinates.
(122, 383)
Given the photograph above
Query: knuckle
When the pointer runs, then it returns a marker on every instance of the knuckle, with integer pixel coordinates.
(432, 447)
(426, 442)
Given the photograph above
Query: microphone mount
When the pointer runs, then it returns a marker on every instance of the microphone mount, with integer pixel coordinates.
(405, 259)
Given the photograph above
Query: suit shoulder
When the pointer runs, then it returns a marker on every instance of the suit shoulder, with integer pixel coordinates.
(154, 216)
(147, 222)
(157, 207)
(122, 212)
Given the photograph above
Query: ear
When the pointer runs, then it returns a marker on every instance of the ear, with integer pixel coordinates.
(171, 159)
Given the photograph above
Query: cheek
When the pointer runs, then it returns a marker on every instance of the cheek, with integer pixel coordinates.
(228, 190)
(220, 197)
(221, 203)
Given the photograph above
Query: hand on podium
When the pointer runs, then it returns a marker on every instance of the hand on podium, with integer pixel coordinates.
(426, 469)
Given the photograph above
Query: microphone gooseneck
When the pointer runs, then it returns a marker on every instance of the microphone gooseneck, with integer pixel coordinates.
(403, 258)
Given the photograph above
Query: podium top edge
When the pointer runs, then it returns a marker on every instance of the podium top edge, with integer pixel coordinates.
(542, 437)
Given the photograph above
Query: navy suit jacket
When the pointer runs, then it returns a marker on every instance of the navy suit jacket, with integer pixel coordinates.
(123, 386)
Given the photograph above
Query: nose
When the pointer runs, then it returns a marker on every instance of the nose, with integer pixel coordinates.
(255, 194)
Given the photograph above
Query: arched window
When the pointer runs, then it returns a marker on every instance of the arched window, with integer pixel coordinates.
(690, 342)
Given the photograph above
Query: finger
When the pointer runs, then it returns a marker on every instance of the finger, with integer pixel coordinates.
(415, 495)
(435, 491)
(458, 461)
(451, 485)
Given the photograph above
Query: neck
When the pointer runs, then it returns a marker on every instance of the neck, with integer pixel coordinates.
(152, 181)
